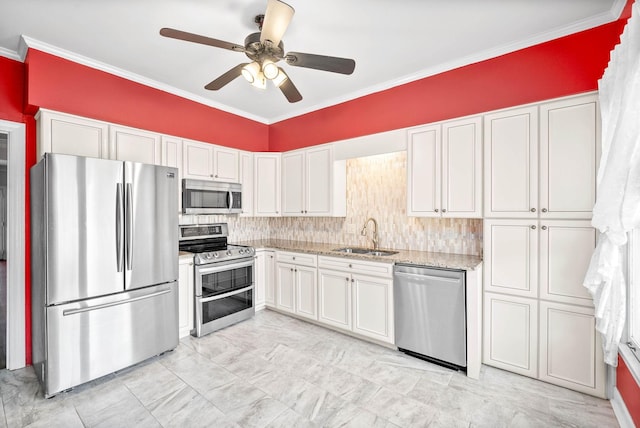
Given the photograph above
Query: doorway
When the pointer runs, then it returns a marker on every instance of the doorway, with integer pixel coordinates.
(4, 138)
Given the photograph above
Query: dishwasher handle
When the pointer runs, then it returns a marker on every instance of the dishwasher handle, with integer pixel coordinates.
(423, 277)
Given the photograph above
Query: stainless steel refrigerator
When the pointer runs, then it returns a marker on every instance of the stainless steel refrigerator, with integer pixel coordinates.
(104, 266)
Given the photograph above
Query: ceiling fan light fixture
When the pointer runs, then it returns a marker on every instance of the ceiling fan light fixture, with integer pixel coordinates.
(270, 69)
(251, 72)
(260, 82)
(280, 78)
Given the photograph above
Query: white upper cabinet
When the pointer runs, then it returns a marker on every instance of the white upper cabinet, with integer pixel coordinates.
(203, 161)
(511, 163)
(172, 156)
(266, 189)
(307, 182)
(129, 144)
(246, 179)
(62, 133)
(569, 150)
(445, 170)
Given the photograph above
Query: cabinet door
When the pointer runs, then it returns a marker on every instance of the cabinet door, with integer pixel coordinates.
(334, 295)
(511, 333)
(373, 307)
(285, 286)
(60, 133)
(270, 279)
(128, 144)
(318, 181)
(293, 183)
(306, 292)
(185, 297)
(511, 163)
(570, 349)
(423, 172)
(462, 169)
(266, 184)
(246, 179)
(569, 149)
(226, 166)
(197, 160)
(260, 279)
(172, 156)
(511, 257)
(566, 248)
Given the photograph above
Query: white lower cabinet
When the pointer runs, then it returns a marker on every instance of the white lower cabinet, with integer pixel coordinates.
(264, 279)
(296, 284)
(510, 333)
(570, 348)
(185, 295)
(352, 298)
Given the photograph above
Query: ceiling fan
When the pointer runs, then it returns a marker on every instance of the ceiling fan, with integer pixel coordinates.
(265, 49)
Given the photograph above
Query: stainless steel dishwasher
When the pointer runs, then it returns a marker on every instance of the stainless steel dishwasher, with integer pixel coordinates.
(430, 314)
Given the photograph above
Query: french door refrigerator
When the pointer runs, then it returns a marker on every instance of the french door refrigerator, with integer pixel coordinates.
(104, 266)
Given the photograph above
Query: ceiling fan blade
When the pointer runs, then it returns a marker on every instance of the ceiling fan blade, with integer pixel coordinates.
(276, 20)
(196, 38)
(321, 62)
(225, 78)
(289, 89)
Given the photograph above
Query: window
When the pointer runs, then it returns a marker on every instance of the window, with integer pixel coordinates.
(633, 294)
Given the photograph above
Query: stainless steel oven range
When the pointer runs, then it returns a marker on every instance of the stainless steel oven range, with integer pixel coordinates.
(223, 273)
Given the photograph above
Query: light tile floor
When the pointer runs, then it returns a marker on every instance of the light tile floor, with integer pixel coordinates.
(277, 371)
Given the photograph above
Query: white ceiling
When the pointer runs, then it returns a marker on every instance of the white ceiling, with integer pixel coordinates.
(392, 42)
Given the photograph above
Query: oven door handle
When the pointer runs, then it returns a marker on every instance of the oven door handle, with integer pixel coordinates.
(229, 294)
(207, 269)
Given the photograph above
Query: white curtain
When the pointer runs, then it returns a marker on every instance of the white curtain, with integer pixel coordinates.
(617, 208)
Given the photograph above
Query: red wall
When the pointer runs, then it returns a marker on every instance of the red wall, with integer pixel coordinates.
(11, 89)
(58, 84)
(564, 66)
(629, 390)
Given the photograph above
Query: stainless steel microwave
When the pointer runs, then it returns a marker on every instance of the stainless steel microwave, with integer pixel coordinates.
(211, 197)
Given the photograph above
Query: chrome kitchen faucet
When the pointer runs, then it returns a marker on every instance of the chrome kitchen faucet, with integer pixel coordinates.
(374, 238)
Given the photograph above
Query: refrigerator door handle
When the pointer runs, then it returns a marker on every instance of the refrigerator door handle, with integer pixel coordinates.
(68, 312)
(129, 226)
(119, 248)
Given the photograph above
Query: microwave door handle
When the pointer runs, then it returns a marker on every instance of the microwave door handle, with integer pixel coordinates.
(119, 243)
(230, 199)
(129, 225)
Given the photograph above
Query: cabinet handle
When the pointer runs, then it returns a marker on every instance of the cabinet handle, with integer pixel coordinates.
(544, 210)
(295, 270)
(347, 279)
(216, 175)
(544, 227)
(436, 210)
(350, 265)
(301, 211)
(352, 280)
(293, 258)
(291, 269)
(191, 264)
(210, 175)
(533, 227)
(533, 210)
(444, 210)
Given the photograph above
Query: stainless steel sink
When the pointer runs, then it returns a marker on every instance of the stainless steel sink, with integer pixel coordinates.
(366, 251)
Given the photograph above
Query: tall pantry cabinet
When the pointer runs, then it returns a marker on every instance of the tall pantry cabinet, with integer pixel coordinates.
(540, 187)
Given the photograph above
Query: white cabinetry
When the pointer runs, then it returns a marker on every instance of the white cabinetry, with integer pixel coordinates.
(307, 182)
(129, 144)
(357, 296)
(185, 295)
(266, 179)
(246, 179)
(565, 155)
(445, 169)
(296, 284)
(172, 156)
(203, 161)
(265, 279)
(66, 134)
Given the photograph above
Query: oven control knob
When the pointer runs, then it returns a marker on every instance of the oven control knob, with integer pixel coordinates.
(207, 256)
(228, 252)
(240, 251)
(215, 255)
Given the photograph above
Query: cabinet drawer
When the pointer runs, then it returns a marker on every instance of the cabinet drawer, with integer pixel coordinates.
(357, 266)
(301, 259)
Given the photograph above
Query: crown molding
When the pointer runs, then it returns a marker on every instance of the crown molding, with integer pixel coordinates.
(8, 53)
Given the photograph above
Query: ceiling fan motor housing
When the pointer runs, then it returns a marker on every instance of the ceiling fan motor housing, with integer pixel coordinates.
(258, 51)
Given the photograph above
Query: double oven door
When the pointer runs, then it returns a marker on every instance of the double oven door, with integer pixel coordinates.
(224, 294)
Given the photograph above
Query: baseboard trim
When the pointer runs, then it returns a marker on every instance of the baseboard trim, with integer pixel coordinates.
(621, 411)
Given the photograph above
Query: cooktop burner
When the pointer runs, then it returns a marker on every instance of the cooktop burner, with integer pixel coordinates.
(208, 242)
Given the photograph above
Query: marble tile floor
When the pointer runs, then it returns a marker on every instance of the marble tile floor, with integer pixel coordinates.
(277, 371)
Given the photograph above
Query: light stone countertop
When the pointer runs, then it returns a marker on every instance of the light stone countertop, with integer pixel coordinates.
(184, 255)
(425, 258)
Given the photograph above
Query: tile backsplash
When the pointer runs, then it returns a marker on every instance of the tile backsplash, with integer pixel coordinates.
(376, 187)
